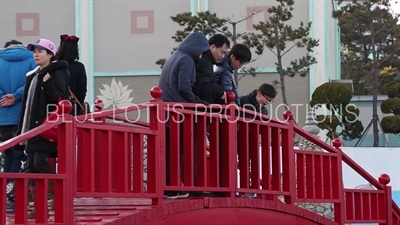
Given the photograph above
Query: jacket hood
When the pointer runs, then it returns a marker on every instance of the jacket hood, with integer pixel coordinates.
(55, 65)
(226, 63)
(194, 45)
(15, 54)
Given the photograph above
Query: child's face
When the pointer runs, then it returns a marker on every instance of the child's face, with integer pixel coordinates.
(263, 100)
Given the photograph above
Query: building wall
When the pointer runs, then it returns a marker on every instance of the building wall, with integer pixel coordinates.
(27, 21)
(136, 35)
(144, 48)
(122, 41)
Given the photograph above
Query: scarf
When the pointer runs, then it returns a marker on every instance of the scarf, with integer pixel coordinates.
(28, 104)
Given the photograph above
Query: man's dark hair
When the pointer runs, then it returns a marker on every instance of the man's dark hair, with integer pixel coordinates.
(241, 52)
(12, 42)
(219, 40)
(267, 90)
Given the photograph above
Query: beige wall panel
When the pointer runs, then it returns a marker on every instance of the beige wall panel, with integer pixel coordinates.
(27, 21)
(133, 35)
(238, 10)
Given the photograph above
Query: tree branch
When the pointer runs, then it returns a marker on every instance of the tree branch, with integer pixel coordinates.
(381, 30)
(239, 78)
(214, 28)
(289, 49)
(388, 57)
(239, 21)
(270, 49)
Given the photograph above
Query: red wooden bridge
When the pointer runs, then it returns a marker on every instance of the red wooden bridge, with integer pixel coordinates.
(103, 179)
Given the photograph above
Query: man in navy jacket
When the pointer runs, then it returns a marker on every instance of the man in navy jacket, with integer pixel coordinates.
(238, 56)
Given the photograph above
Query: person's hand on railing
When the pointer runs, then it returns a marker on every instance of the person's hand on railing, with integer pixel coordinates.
(224, 97)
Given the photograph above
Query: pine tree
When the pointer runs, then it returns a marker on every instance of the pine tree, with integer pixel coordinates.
(369, 30)
(280, 38)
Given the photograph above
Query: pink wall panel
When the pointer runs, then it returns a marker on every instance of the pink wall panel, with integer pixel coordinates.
(251, 9)
(142, 22)
(31, 20)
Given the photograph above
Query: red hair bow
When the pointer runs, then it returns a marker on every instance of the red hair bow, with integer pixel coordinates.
(66, 37)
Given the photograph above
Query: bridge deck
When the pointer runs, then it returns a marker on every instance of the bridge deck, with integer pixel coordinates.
(103, 211)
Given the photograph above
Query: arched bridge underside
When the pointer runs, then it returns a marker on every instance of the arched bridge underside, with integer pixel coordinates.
(227, 211)
(189, 211)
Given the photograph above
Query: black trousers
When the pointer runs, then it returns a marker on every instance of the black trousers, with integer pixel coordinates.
(13, 156)
(168, 157)
(37, 163)
(181, 153)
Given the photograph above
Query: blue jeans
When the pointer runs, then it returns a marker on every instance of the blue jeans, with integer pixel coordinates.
(12, 157)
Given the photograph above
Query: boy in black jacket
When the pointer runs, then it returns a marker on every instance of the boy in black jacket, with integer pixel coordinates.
(259, 98)
(256, 101)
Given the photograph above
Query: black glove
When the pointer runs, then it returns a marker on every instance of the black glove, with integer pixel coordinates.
(201, 101)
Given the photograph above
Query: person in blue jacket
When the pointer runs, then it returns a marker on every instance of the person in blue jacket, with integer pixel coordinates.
(15, 61)
(238, 56)
(177, 78)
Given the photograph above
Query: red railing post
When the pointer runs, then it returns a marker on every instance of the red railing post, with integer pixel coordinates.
(155, 147)
(288, 159)
(339, 208)
(385, 180)
(229, 150)
(64, 190)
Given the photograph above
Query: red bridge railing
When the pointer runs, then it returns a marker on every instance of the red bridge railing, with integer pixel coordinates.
(63, 191)
(102, 158)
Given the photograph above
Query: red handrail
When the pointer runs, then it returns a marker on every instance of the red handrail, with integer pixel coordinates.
(107, 160)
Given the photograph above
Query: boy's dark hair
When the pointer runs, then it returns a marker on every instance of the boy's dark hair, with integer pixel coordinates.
(219, 40)
(241, 52)
(267, 90)
(68, 51)
(12, 42)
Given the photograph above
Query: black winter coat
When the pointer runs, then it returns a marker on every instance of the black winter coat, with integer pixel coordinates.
(46, 94)
(250, 102)
(206, 86)
(78, 81)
